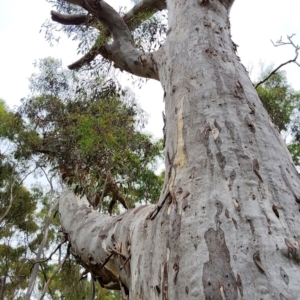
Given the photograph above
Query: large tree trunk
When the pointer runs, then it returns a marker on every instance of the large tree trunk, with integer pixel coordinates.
(227, 225)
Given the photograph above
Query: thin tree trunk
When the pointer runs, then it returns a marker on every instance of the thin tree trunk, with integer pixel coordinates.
(44, 240)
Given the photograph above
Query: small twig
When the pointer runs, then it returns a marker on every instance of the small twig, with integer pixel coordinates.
(102, 194)
(125, 262)
(52, 275)
(117, 252)
(45, 260)
(154, 213)
(106, 261)
(277, 44)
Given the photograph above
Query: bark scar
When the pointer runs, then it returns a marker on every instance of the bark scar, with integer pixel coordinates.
(180, 156)
(257, 260)
(256, 169)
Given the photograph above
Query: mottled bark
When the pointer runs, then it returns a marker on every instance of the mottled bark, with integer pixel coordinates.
(227, 225)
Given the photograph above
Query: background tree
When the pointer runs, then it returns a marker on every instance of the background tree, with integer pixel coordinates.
(18, 230)
(90, 132)
(92, 138)
(282, 104)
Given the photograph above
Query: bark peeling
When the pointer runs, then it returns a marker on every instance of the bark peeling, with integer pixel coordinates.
(218, 277)
(217, 271)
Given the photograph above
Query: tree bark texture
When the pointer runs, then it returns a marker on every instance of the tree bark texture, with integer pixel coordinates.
(227, 225)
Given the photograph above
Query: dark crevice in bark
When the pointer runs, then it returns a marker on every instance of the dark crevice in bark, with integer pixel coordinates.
(232, 177)
(258, 263)
(287, 182)
(256, 169)
(284, 276)
(249, 124)
(240, 284)
(282, 297)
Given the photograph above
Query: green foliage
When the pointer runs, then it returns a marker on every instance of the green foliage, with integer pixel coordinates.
(20, 216)
(283, 104)
(88, 130)
(75, 287)
(17, 224)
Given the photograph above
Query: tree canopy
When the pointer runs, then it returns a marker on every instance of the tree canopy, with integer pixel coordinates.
(87, 132)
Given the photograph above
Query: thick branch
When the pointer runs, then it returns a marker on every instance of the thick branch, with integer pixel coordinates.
(96, 238)
(122, 52)
(134, 17)
(228, 3)
(69, 19)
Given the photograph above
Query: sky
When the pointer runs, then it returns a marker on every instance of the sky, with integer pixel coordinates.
(253, 23)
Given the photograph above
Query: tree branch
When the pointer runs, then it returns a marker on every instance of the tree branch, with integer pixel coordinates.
(122, 51)
(294, 60)
(59, 266)
(134, 17)
(92, 247)
(42, 244)
(78, 19)
(50, 257)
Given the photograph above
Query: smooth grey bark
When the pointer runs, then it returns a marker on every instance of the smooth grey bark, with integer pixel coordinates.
(227, 225)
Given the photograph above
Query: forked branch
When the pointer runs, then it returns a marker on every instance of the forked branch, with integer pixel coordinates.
(133, 18)
(278, 43)
(122, 51)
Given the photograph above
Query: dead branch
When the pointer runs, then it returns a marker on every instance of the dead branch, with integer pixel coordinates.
(50, 256)
(294, 60)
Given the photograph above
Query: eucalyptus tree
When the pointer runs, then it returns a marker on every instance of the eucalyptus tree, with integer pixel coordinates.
(282, 103)
(228, 219)
(92, 137)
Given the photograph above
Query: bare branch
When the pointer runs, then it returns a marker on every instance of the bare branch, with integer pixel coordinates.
(122, 51)
(294, 60)
(52, 276)
(89, 56)
(41, 247)
(50, 256)
(132, 18)
(69, 19)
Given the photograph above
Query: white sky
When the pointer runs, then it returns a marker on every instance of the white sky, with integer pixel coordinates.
(253, 24)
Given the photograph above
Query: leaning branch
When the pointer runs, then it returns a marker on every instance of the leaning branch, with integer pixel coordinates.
(133, 18)
(294, 60)
(122, 51)
(58, 268)
(77, 19)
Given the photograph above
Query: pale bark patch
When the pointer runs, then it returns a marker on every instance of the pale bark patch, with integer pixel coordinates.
(180, 156)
